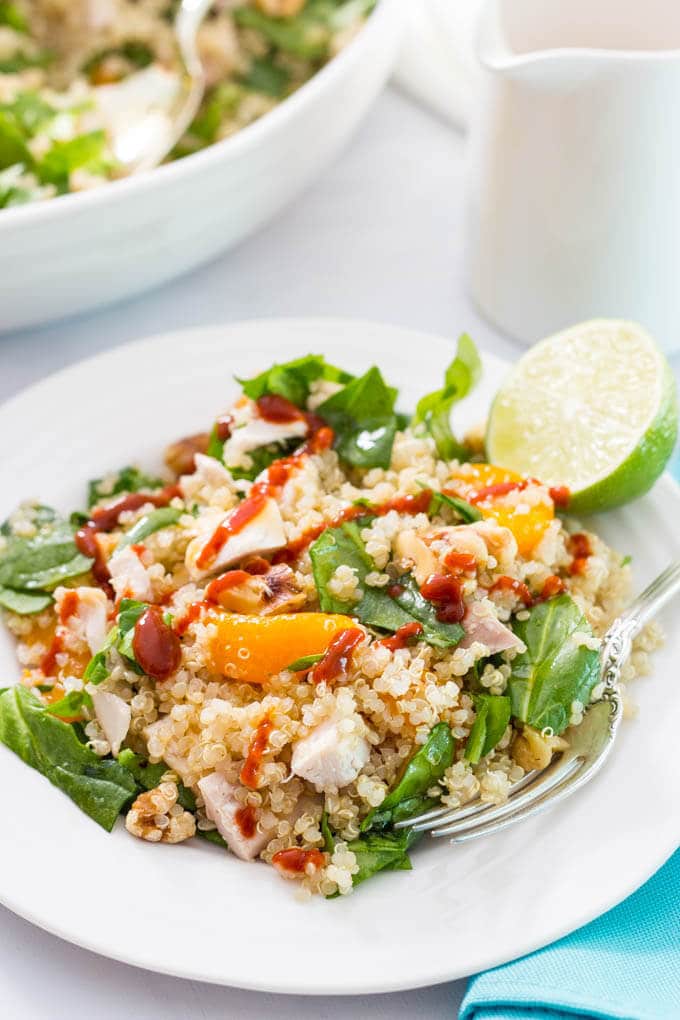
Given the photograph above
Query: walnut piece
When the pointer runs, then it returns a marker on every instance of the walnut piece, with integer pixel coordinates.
(533, 750)
(179, 456)
(157, 817)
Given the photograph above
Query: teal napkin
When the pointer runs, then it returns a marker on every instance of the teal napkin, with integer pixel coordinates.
(625, 965)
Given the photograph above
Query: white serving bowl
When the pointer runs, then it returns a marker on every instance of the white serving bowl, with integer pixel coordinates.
(72, 253)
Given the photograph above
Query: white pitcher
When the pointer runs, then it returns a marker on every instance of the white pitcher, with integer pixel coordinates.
(575, 169)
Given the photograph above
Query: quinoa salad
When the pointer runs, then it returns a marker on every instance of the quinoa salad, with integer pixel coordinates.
(320, 618)
(68, 68)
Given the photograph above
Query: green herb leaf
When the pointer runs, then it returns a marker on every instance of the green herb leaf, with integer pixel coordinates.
(220, 104)
(128, 479)
(292, 379)
(129, 613)
(24, 603)
(382, 851)
(328, 837)
(267, 77)
(468, 513)
(135, 52)
(434, 410)
(162, 517)
(424, 770)
(306, 662)
(45, 560)
(212, 836)
(21, 61)
(302, 36)
(86, 151)
(100, 788)
(70, 705)
(491, 721)
(336, 547)
(148, 776)
(436, 633)
(363, 419)
(12, 17)
(555, 670)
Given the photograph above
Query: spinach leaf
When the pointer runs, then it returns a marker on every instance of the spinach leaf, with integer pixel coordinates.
(119, 637)
(491, 721)
(555, 670)
(70, 705)
(333, 548)
(220, 102)
(29, 111)
(266, 76)
(434, 410)
(137, 53)
(24, 603)
(363, 419)
(86, 151)
(212, 836)
(19, 61)
(424, 770)
(100, 788)
(128, 479)
(293, 378)
(261, 458)
(328, 837)
(163, 517)
(468, 513)
(382, 851)
(302, 36)
(40, 563)
(13, 147)
(148, 776)
(436, 633)
(343, 546)
(306, 662)
(12, 17)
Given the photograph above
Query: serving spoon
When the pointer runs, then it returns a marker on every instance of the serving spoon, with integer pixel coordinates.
(147, 113)
(590, 743)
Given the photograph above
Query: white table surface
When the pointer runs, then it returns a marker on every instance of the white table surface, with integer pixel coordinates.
(379, 237)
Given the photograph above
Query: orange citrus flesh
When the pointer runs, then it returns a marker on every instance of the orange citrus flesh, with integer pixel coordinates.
(527, 519)
(253, 648)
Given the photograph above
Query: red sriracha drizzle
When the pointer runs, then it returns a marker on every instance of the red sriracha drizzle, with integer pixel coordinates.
(155, 644)
(295, 860)
(447, 595)
(520, 589)
(251, 766)
(579, 547)
(402, 636)
(338, 656)
(560, 495)
(246, 819)
(235, 522)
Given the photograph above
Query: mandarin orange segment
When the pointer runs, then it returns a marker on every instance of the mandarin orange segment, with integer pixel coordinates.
(253, 648)
(527, 514)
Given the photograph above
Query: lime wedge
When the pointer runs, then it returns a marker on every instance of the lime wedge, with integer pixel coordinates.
(593, 408)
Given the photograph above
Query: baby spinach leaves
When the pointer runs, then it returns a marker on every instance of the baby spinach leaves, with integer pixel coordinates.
(100, 788)
(128, 479)
(363, 418)
(162, 517)
(491, 721)
(556, 669)
(342, 546)
(30, 567)
(382, 851)
(148, 776)
(434, 410)
(410, 795)
(468, 513)
(293, 379)
(119, 637)
(70, 705)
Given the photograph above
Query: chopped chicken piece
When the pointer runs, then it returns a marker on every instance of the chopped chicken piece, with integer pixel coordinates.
(262, 534)
(259, 432)
(500, 542)
(222, 808)
(113, 715)
(90, 619)
(333, 754)
(482, 626)
(129, 576)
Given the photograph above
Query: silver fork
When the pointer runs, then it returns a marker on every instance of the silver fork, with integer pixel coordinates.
(590, 743)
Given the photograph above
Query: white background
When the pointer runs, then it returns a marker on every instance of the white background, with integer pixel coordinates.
(379, 237)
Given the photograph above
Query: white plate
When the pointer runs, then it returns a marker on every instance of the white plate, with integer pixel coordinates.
(198, 912)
